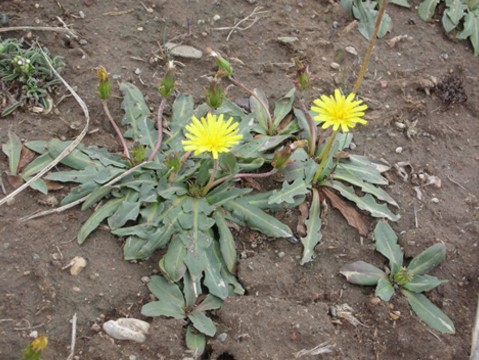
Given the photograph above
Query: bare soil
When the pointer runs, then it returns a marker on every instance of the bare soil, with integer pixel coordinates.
(287, 307)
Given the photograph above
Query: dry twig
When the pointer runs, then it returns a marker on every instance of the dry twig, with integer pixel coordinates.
(65, 29)
(74, 335)
(257, 11)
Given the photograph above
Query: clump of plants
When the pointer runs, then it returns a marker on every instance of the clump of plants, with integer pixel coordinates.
(412, 280)
(26, 79)
(461, 15)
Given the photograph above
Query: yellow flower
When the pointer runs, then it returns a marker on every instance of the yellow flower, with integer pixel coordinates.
(39, 344)
(212, 134)
(339, 111)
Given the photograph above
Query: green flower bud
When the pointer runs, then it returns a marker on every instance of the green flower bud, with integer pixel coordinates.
(103, 83)
(281, 157)
(224, 67)
(303, 75)
(168, 83)
(402, 277)
(215, 95)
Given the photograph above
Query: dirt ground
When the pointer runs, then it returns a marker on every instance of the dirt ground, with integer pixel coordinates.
(288, 307)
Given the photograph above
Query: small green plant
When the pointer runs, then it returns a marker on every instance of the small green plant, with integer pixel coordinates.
(412, 280)
(461, 15)
(455, 13)
(33, 351)
(25, 76)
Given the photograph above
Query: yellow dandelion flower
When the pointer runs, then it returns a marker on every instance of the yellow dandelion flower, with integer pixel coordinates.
(339, 111)
(39, 344)
(212, 134)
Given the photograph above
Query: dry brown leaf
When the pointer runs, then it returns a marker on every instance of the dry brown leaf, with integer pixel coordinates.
(352, 216)
(15, 181)
(53, 185)
(304, 213)
(26, 156)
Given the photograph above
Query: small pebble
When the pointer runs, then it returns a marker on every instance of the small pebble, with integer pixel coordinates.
(399, 150)
(281, 254)
(33, 334)
(145, 279)
(137, 71)
(83, 42)
(375, 300)
(140, 28)
(435, 200)
(216, 17)
(6, 245)
(351, 50)
(132, 357)
(35, 257)
(95, 327)
(76, 289)
(334, 66)
(222, 337)
(82, 14)
(4, 20)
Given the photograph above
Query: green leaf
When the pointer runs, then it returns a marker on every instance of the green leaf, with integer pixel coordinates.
(13, 150)
(79, 192)
(427, 8)
(172, 263)
(350, 177)
(471, 30)
(95, 196)
(128, 210)
(258, 110)
(97, 217)
(362, 273)
(39, 185)
(386, 244)
(135, 109)
(226, 241)
(384, 289)
(313, 226)
(202, 323)
(365, 202)
(210, 302)
(366, 13)
(283, 107)
(403, 3)
(191, 290)
(224, 193)
(429, 313)
(104, 157)
(455, 11)
(75, 159)
(38, 146)
(214, 280)
(182, 113)
(427, 260)
(258, 146)
(36, 166)
(195, 342)
(259, 220)
(289, 192)
(170, 299)
(361, 171)
(420, 283)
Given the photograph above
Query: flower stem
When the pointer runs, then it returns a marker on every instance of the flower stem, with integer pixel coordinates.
(367, 57)
(211, 181)
(325, 156)
(126, 151)
(159, 124)
(312, 126)
(263, 105)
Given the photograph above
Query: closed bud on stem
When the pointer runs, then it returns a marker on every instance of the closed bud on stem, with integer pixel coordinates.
(224, 67)
(215, 95)
(303, 75)
(168, 83)
(103, 83)
(281, 157)
(402, 277)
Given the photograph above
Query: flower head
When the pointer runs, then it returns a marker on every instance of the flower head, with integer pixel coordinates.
(212, 134)
(39, 344)
(339, 111)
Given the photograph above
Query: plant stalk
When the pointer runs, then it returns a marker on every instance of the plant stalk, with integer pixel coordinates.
(312, 126)
(324, 158)
(126, 151)
(367, 57)
(263, 105)
(211, 181)
(159, 124)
